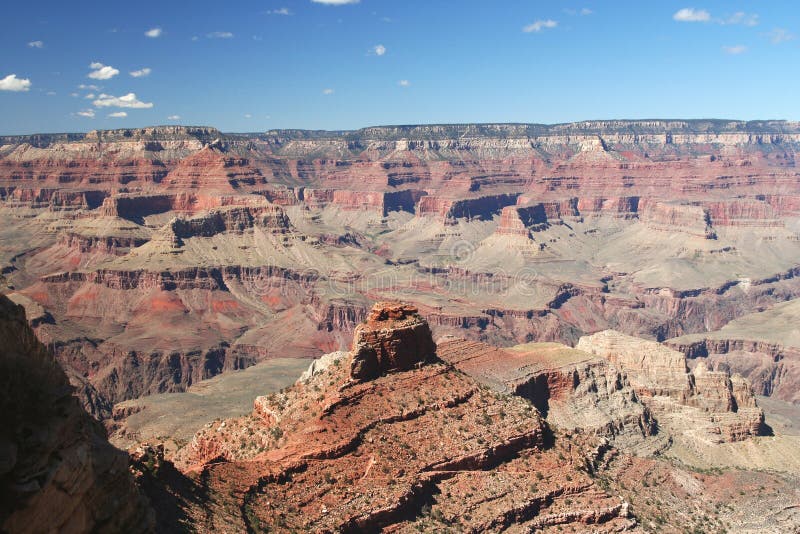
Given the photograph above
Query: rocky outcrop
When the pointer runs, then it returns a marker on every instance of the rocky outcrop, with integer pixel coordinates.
(394, 338)
(618, 207)
(382, 202)
(57, 471)
(743, 212)
(574, 390)
(136, 207)
(114, 245)
(234, 219)
(701, 403)
(479, 208)
(334, 454)
(771, 368)
(53, 198)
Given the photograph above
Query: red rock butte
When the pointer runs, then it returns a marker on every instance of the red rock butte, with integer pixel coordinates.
(394, 337)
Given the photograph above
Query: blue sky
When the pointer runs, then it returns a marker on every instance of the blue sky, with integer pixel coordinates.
(253, 65)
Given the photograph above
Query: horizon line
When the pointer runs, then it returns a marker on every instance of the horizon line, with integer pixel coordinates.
(404, 126)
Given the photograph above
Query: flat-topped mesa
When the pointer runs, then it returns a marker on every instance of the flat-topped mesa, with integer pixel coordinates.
(528, 217)
(677, 216)
(52, 198)
(394, 337)
(653, 369)
(743, 212)
(476, 208)
(623, 207)
(233, 219)
(350, 200)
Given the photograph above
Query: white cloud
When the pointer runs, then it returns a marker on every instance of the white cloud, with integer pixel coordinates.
(404, 83)
(539, 25)
(174, 117)
(735, 50)
(36, 44)
(102, 72)
(779, 35)
(154, 32)
(88, 113)
(118, 115)
(125, 101)
(12, 83)
(690, 14)
(379, 50)
(335, 2)
(327, 91)
(583, 12)
(280, 11)
(91, 86)
(740, 17)
(90, 96)
(141, 72)
(248, 116)
(219, 35)
(74, 95)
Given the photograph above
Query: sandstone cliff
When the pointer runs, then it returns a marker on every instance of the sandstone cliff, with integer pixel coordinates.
(701, 404)
(57, 471)
(574, 390)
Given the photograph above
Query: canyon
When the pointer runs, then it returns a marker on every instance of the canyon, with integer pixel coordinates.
(624, 292)
(462, 436)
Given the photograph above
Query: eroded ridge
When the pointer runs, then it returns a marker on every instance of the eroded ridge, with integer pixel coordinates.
(418, 445)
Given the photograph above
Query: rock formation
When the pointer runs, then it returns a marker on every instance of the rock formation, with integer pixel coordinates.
(57, 471)
(708, 405)
(421, 447)
(152, 259)
(637, 393)
(574, 390)
(394, 338)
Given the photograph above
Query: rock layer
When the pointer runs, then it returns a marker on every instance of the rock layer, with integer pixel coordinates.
(711, 406)
(161, 256)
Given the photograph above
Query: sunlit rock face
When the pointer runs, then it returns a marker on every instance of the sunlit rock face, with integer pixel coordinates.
(709, 405)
